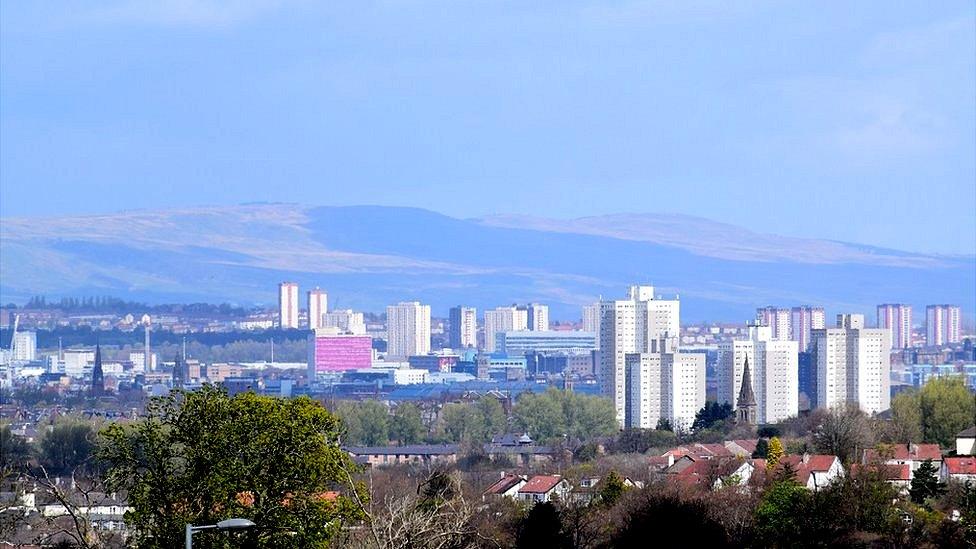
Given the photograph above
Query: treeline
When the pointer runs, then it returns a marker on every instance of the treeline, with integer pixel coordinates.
(548, 417)
(109, 304)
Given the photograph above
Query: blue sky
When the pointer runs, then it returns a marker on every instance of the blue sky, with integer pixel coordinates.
(851, 121)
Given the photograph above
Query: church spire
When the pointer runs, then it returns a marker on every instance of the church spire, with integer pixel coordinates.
(746, 405)
(98, 375)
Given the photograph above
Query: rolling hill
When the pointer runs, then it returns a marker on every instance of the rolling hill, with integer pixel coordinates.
(369, 256)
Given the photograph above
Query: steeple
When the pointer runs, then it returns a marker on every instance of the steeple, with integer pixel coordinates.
(746, 405)
(178, 371)
(98, 376)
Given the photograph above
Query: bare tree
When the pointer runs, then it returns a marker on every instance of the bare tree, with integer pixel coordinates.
(77, 504)
(843, 432)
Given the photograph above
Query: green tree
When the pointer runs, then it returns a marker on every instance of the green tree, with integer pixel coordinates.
(66, 446)
(374, 420)
(15, 452)
(664, 425)
(906, 418)
(778, 515)
(925, 483)
(365, 423)
(202, 457)
(474, 422)
(762, 449)
(774, 453)
(541, 415)
(947, 407)
(542, 527)
(711, 414)
(612, 488)
(407, 425)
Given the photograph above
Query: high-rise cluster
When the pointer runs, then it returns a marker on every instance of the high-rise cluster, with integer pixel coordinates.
(514, 318)
(408, 329)
(640, 366)
(852, 365)
(773, 376)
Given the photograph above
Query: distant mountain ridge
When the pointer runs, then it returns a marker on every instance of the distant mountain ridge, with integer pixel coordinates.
(370, 256)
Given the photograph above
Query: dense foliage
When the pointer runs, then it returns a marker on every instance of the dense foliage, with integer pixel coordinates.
(202, 457)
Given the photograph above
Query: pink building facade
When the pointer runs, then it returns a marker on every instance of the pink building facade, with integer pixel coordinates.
(337, 353)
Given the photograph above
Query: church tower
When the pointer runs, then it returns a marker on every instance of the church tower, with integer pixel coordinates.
(98, 376)
(745, 411)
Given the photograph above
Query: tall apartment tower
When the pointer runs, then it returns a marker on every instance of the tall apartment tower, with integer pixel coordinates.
(288, 305)
(638, 324)
(853, 365)
(464, 327)
(318, 305)
(777, 319)
(591, 318)
(802, 321)
(24, 346)
(942, 324)
(536, 316)
(504, 319)
(408, 329)
(774, 373)
(897, 319)
(664, 384)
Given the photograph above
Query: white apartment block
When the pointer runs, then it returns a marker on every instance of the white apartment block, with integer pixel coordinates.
(591, 318)
(288, 305)
(779, 320)
(684, 387)
(802, 321)
(536, 317)
(138, 360)
(632, 325)
(942, 324)
(408, 329)
(464, 327)
(773, 364)
(504, 319)
(346, 320)
(853, 365)
(25, 346)
(664, 385)
(897, 319)
(77, 362)
(318, 305)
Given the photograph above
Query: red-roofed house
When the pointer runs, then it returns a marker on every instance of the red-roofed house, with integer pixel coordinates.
(507, 486)
(912, 455)
(814, 471)
(741, 448)
(899, 476)
(712, 473)
(961, 468)
(699, 451)
(542, 488)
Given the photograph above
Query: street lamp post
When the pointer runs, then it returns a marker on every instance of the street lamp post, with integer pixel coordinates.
(229, 524)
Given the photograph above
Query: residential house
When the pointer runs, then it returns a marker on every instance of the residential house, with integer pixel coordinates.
(961, 468)
(912, 455)
(741, 448)
(813, 471)
(542, 488)
(897, 475)
(713, 472)
(507, 486)
(966, 442)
